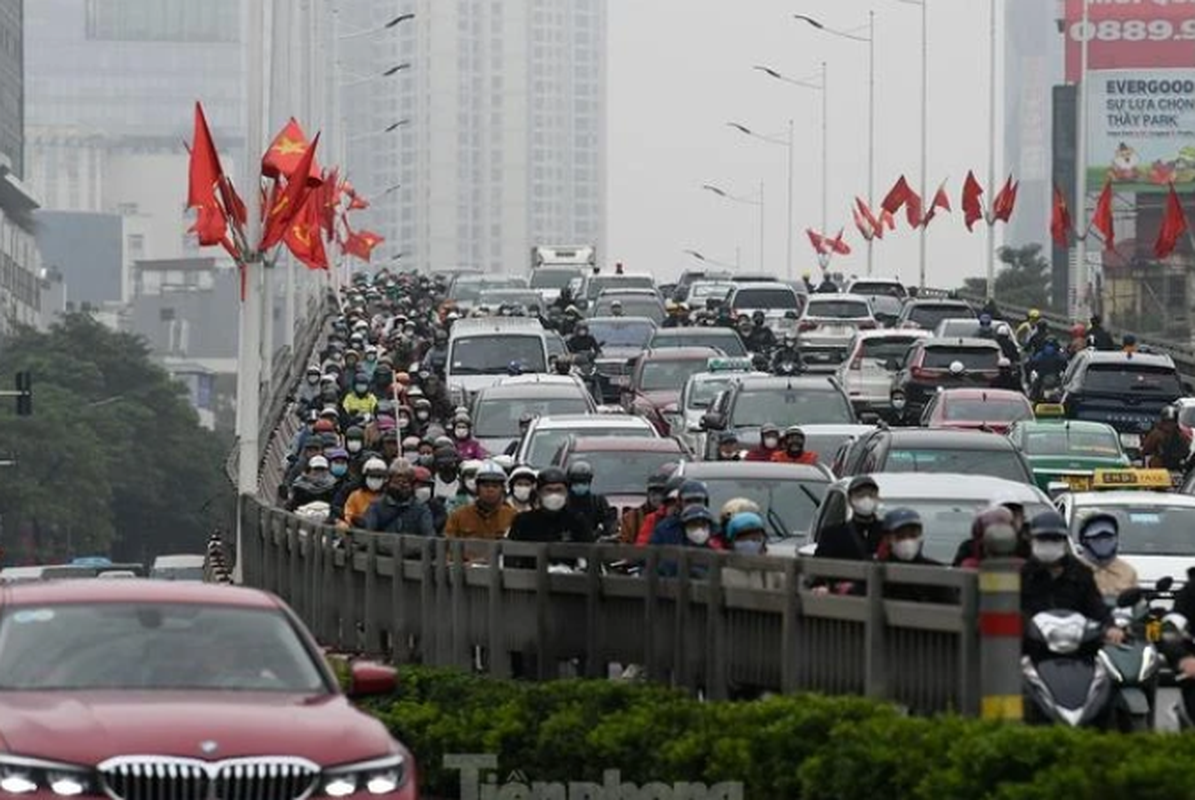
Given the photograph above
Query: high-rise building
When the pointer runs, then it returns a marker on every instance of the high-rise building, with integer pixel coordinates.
(504, 144)
(12, 86)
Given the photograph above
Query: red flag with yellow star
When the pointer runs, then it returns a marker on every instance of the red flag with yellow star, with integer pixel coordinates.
(362, 243)
(285, 205)
(286, 151)
(303, 237)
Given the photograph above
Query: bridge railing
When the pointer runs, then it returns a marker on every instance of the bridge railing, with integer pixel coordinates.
(714, 627)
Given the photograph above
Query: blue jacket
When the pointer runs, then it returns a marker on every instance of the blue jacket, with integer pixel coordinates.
(391, 516)
(670, 532)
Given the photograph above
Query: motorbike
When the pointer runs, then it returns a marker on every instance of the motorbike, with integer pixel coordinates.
(1135, 665)
(1064, 680)
(1045, 388)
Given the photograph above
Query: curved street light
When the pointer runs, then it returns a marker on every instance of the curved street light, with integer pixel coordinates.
(746, 201)
(789, 144)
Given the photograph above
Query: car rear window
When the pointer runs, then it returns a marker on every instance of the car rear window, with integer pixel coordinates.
(972, 358)
(1062, 442)
(781, 299)
(987, 411)
(886, 348)
(928, 317)
(1129, 378)
(499, 416)
(545, 443)
(661, 375)
(998, 464)
(786, 407)
(728, 342)
(838, 309)
(888, 289)
(623, 472)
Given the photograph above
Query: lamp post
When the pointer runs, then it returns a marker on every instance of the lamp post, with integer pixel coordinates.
(870, 40)
(717, 263)
(747, 201)
(991, 293)
(788, 143)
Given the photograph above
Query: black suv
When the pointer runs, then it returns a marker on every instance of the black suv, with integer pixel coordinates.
(752, 402)
(928, 313)
(933, 450)
(933, 364)
(1126, 391)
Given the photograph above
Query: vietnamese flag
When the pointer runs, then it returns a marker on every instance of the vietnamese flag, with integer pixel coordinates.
(1174, 225)
(290, 202)
(1102, 221)
(204, 170)
(1006, 201)
(913, 209)
(817, 240)
(900, 194)
(863, 212)
(304, 237)
(972, 208)
(362, 243)
(1060, 220)
(285, 153)
(865, 230)
(838, 245)
(941, 200)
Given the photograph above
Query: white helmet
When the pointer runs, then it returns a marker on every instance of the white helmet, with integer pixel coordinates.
(374, 466)
(470, 467)
(489, 471)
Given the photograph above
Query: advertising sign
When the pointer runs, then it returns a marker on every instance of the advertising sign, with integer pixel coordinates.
(1141, 128)
(1130, 34)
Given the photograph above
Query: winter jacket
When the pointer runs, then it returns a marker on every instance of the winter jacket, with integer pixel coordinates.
(389, 515)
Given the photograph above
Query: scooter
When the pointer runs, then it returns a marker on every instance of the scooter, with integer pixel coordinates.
(1135, 665)
(1063, 679)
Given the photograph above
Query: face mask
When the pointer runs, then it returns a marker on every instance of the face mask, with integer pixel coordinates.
(522, 493)
(313, 379)
(354, 445)
(1102, 548)
(554, 501)
(864, 506)
(461, 432)
(749, 547)
(796, 449)
(698, 536)
(580, 489)
(375, 484)
(906, 549)
(771, 442)
(362, 388)
(471, 485)
(1048, 552)
(403, 422)
(421, 416)
(400, 493)
(371, 357)
(423, 494)
(340, 470)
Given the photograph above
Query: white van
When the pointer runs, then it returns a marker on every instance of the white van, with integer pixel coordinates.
(482, 349)
(187, 567)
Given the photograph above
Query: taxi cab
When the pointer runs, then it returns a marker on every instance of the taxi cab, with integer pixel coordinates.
(700, 390)
(1068, 452)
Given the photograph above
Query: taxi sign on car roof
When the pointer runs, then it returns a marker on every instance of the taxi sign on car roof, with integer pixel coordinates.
(727, 364)
(1049, 411)
(1131, 479)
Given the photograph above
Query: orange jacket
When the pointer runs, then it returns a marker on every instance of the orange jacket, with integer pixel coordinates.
(782, 457)
(356, 506)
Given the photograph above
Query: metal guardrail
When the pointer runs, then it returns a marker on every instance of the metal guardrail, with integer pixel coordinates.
(415, 599)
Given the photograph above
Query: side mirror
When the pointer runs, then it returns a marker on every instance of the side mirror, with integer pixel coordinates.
(370, 679)
(1164, 584)
(712, 422)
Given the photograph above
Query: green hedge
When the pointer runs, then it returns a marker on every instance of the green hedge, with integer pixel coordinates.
(809, 746)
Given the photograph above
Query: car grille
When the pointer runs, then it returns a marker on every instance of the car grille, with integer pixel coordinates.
(165, 777)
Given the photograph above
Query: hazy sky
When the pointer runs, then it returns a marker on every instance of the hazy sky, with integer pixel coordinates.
(681, 69)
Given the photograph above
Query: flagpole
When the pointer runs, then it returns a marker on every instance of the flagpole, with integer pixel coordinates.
(924, 118)
(871, 130)
(792, 142)
(248, 420)
(1081, 272)
(991, 285)
(762, 218)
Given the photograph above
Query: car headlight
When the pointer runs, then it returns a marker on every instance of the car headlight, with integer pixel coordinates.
(20, 776)
(379, 776)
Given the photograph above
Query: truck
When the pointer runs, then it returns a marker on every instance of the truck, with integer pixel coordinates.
(554, 268)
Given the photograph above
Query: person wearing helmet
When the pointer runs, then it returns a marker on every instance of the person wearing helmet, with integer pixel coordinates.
(1008, 346)
(671, 528)
(399, 511)
(789, 352)
(769, 444)
(746, 534)
(360, 400)
(675, 318)
(1078, 341)
(793, 450)
(521, 486)
(632, 519)
(670, 506)
(1054, 579)
(1098, 336)
(425, 488)
(1006, 378)
(309, 390)
(466, 446)
(582, 341)
(550, 520)
(1129, 344)
(857, 539)
(584, 503)
(488, 517)
(616, 309)
(383, 380)
(760, 339)
(1027, 326)
(1047, 366)
(1037, 339)
(446, 466)
(728, 447)
(421, 411)
(373, 486)
(1099, 542)
(354, 442)
(467, 490)
(1167, 445)
(316, 484)
(996, 522)
(903, 543)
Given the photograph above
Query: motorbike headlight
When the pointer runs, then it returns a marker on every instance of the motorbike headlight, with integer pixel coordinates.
(20, 776)
(379, 776)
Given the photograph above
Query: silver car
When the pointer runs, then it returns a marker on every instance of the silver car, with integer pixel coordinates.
(867, 372)
(700, 390)
(545, 434)
(827, 327)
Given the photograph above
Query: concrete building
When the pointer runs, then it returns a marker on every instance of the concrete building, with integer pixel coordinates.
(506, 142)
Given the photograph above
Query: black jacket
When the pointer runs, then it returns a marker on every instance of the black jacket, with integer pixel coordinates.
(1100, 339)
(856, 540)
(541, 525)
(1008, 380)
(583, 344)
(761, 340)
(595, 511)
(913, 593)
(1073, 590)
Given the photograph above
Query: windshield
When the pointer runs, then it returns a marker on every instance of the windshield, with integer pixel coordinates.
(838, 309)
(470, 291)
(996, 463)
(1146, 529)
(703, 392)
(1132, 378)
(660, 375)
(498, 417)
(700, 291)
(623, 472)
(552, 278)
(947, 523)
(597, 285)
(501, 297)
(928, 317)
(728, 341)
(493, 354)
(884, 289)
(632, 333)
(154, 647)
(1063, 442)
(972, 358)
(955, 328)
(790, 407)
(987, 411)
(631, 307)
(793, 502)
(885, 349)
(779, 299)
(177, 573)
(545, 443)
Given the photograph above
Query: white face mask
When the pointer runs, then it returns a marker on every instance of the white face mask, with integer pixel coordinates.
(1048, 552)
(421, 416)
(375, 484)
(554, 501)
(461, 432)
(771, 442)
(354, 445)
(865, 506)
(698, 536)
(521, 492)
(906, 549)
(471, 485)
(423, 493)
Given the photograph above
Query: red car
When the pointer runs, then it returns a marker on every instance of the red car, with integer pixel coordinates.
(657, 379)
(621, 464)
(143, 690)
(976, 409)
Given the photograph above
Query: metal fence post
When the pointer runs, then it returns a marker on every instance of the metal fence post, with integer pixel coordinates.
(876, 629)
(1000, 639)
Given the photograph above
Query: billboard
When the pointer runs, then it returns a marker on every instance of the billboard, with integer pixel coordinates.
(1130, 34)
(1141, 128)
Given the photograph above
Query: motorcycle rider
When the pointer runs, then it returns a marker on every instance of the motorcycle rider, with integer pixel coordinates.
(1167, 446)
(1006, 378)
(787, 353)
(436, 357)
(1028, 326)
(761, 339)
(632, 519)
(769, 444)
(582, 342)
(859, 537)
(1049, 363)
(986, 331)
(1054, 579)
(728, 447)
(582, 502)
(466, 445)
(522, 488)
(550, 520)
(903, 543)
(1098, 336)
(793, 451)
(1099, 537)
(488, 517)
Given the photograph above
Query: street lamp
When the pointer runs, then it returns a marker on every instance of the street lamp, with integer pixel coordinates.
(870, 40)
(746, 201)
(371, 31)
(924, 109)
(386, 73)
(391, 128)
(788, 143)
(702, 258)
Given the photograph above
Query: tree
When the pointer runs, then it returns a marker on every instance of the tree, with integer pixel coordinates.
(1023, 280)
(113, 461)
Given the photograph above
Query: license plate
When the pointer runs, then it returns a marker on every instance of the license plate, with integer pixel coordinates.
(1077, 483)
(1131, 440)
(1153, 630)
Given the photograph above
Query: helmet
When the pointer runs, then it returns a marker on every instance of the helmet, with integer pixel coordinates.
(899, 518)
(739, 505)
(324, 426)
(490, 472)
(658, 479)
(696, 514)
(758, 317)
(1169, 414)
(793, 430)
(1034, 314)
(672, 488)
(694, 490)
(744, 522)
(470, 467)
(1003, 363)
(522, 472)
(423, 475)
(580, 472)
(410, 443)
(550, 476)
(1101, 524)
(1003, 331)
(985, 320)
(506, 462)
(317, 462)
(1048, 523)
(769, 428)
(374, 467)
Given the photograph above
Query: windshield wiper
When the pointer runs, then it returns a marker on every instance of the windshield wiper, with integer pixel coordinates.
(777, 524)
